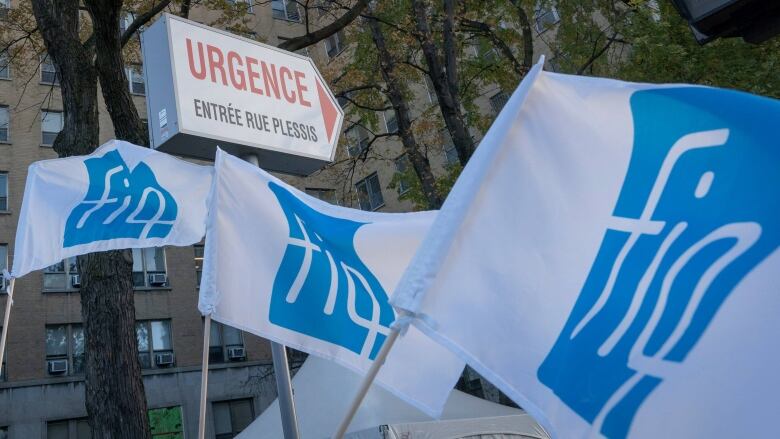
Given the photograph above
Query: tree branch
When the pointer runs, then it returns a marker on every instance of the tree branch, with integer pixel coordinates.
(310, 38)
(142, 20)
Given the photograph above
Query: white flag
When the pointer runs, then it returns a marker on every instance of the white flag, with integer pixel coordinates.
(316, 277)
(120, 196)
(615, 248)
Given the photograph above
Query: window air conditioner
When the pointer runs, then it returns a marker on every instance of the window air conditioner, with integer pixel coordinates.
(236, 353)
(163, 359)
(58, 367)
(158, 279)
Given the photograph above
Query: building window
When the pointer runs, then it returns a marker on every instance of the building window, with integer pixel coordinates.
(63, 276)
(149, 268)
(225, 344)
(125, 22)
(430, 89)
(5, 61)
(370, 193)
(334, 44)
(358, 139)
(198, 248)
(401, 167)
(286, 10)
(3, 265)
(135, 76)
(65, 349)
(327, 195)
(155, 349)
(68, 429)
(5, 124)
(49, 72)
(3, 191)
(391, 122)
(51, 125)
(498, 100)
(450, 152)
(232, 417)
(5, 6)
(165, 423)
(545, 17)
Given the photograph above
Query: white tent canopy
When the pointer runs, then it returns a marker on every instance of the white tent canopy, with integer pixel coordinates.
(324, 390)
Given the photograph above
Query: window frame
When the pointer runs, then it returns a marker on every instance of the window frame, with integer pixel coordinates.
(5, 64)
(337, 43)
(44, 61)
(222, 357)
(539, 25)
(7, 128)
(387, 121)
(366, 182)
(151, 351)
(72, 426)
(44, 115)
(317, 193)
(5, 186)
(70, 354)
(356, 145)
(5, 7)
(146, 272)
(132, 71)
(403, 160)
(66, 272)
(233, 431)
(285, 10)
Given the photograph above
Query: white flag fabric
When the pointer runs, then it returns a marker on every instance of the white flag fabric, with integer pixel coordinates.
(615, 248)
(316, 277)
(120, 196)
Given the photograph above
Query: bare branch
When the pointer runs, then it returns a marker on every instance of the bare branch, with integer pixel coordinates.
(310, 38)
(141, 20)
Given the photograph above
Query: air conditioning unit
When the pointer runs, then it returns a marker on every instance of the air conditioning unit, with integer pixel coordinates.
(75, 280)
(158, 279)
(58, 367)
(236, 353)
(163, 359)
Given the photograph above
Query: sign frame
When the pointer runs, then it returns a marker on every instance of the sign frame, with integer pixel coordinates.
(164, 112)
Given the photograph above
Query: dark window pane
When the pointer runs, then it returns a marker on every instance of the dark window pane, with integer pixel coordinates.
(222, 424)
(241, 414)
(57, 430)
(82, 429)
(56, 341)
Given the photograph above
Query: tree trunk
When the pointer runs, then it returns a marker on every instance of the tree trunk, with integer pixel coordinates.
(449, 103)
(115, 401)
(420, 163)
(111, 70)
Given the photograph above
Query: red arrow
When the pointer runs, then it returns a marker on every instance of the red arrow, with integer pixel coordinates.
(330, 112)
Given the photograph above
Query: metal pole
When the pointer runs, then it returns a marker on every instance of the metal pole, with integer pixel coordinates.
(204, 377)
(281, 370)
(367, 381)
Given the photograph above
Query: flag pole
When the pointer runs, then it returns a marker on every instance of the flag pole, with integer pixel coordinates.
(204, 377)
(281, 369)
(8, 302)
(367, 381)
